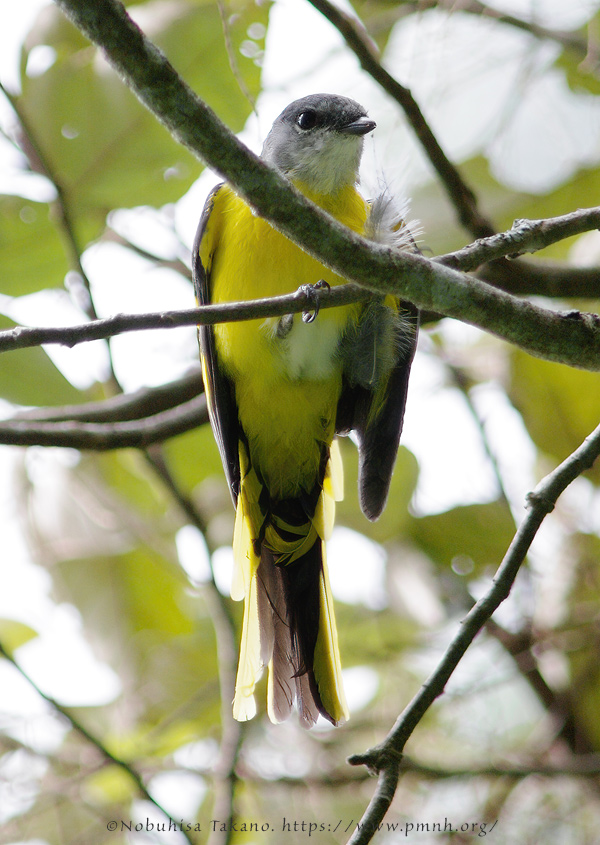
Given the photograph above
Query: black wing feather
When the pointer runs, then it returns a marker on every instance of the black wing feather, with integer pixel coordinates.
(378, 438)
(219, 389)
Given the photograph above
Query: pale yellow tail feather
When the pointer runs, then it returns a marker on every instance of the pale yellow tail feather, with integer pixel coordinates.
(327, 663)
(265, 630)
(333, 491)
(334, 476)
(245, 586)
(250, 664)
(242, 542)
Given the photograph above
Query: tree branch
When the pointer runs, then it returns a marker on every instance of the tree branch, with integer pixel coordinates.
(577, 335)
(516, 277)
(39, 163)
(526, 278)
(461, 195)
(106, 754)
(224, 771)
(565, 38)
(100, 437)
(145, 402)
(560, 706)
(384, 758)
(524, 236)
(571, 339)
(22, 337)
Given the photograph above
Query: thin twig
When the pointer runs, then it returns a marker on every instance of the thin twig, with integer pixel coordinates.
(225, 15)
(145, 402)
(142, 433)
(462, 196)
(176, 264)
(384, 758)
(429, 286)
(522, 323)
(40, 163)
(570, 40)
(224, 772)
(524, 236)
(559, 705)
(78, 726)
(580, 765)
(22, 337)
(100, 437)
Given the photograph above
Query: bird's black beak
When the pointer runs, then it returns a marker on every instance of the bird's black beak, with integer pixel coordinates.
(358, 127)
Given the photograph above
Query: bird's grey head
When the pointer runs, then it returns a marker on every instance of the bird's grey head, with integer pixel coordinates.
(318, 140)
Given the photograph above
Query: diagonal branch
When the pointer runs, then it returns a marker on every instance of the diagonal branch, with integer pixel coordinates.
(104, 751)
(577, 335)
(22, 337)
(145, 402)
(570, 40)
(62, 213)
(100, 437)
(519, 277)
(461, 195)
(559, 705)
(385, 758)
(569, 339)
(524, 236)
(567, 39)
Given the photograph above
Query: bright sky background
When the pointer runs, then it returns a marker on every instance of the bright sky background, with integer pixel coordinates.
(438, 427)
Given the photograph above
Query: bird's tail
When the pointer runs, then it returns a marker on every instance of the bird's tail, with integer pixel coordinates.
(289, 622)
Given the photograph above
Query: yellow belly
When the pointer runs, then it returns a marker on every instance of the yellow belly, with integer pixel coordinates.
(287, 385)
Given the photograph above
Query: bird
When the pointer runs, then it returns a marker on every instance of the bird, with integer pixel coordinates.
(281, 389)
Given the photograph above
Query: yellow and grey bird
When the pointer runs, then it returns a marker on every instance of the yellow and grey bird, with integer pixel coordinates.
(280, 389)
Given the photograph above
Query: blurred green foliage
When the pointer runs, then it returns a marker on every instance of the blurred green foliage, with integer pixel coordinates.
(113, 553)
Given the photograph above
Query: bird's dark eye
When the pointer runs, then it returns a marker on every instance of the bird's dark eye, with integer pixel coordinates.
(307, 120)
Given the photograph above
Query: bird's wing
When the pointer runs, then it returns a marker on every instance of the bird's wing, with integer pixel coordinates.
(219, 389)
(379, 435)
(376, 415)
(377, 368)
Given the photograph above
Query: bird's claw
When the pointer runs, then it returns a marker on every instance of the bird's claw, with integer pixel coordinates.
(313, 293)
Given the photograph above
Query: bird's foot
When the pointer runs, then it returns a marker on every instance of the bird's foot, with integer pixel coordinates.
(313, 293)
(284, 326)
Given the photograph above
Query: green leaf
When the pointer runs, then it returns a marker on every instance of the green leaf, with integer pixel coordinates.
(402, 487)
(127, 471)
(101, 145)
(581, 646)
(472, 536)
(110, 785)
(194, 457)
(560, 405)
(580, 191)
(372, 638)
(14, 634)
(581, 76)
(31, 251)
(379, 18)
(28, 377)
(140, 590)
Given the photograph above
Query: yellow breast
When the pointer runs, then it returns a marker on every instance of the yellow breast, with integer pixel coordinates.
(288, 381)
